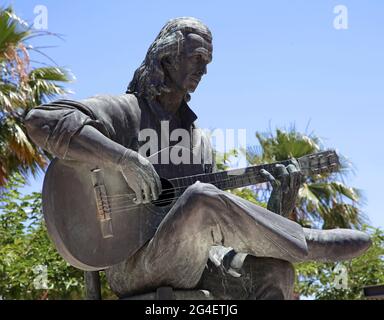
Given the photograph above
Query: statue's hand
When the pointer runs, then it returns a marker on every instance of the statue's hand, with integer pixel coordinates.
(140, 176)
(285, 186)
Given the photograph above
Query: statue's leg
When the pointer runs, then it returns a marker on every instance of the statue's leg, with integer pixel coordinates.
(202, 217)
(261, 279)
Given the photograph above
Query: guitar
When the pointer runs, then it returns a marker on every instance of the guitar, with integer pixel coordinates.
(94, 223)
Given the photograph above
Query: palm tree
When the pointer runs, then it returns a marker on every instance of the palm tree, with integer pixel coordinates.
(324, 201)
(22, 86)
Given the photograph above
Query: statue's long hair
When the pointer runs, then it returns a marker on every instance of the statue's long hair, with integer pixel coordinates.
(149, 79)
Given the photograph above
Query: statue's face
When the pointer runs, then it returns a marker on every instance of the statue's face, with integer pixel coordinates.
(187, 72)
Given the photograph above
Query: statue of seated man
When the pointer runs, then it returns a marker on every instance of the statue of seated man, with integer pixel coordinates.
(210, 239)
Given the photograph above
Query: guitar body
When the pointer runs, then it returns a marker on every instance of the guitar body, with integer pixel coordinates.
(90, 213)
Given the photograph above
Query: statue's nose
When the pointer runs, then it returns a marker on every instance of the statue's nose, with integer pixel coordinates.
(202, 71)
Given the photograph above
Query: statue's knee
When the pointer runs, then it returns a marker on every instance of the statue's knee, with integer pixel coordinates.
(199, 191)
(200, 199)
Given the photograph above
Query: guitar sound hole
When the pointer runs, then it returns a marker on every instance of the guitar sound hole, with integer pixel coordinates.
(168, 194)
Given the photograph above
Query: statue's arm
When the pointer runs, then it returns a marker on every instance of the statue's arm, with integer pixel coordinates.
(70, 133)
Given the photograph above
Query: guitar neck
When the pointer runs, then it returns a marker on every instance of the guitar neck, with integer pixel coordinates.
(317, 163)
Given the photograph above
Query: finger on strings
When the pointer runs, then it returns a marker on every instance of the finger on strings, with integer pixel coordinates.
(147, 192)
(269, 177)
(139, 194)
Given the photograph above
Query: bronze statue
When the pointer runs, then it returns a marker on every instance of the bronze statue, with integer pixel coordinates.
(196, 235)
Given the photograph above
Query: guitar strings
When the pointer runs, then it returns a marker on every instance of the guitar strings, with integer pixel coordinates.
(329, 167)
(193, 176)
(125, 208)
(121, 205)
(118, 208)
(127, 195)
(196, 176)
(154, 202)
(114, 197)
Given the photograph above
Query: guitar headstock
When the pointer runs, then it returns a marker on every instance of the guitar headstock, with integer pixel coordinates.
(319, 163)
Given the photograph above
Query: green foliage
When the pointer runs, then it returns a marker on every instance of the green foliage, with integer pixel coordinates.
(248, 194)
(318, 279)
(284, 145)
(24, 246)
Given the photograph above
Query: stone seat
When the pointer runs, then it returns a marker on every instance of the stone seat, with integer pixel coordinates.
(93, 291)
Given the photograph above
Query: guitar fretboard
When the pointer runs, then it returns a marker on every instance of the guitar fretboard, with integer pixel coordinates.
(317, 163)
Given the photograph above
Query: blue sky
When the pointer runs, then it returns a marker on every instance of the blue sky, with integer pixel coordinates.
(275, 63)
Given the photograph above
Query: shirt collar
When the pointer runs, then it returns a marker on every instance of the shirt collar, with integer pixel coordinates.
(185, 113)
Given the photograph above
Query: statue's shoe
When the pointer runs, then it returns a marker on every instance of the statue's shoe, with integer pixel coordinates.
(335, 244)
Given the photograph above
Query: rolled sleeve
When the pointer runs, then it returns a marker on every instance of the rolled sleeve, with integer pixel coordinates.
(51, 126)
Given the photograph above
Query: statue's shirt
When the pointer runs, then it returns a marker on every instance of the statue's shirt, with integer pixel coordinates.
(121, 118)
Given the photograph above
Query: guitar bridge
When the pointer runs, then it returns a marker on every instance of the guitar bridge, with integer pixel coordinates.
(102, 203)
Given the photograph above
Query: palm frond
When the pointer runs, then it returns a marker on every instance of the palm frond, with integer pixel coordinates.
(10, 97)
(43, 83)
(12, 31)
(21, 88)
